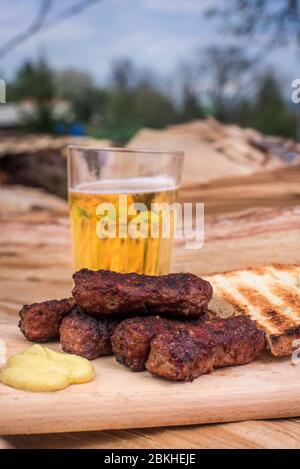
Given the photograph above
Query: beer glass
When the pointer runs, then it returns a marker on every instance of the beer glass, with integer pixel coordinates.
(118, 199)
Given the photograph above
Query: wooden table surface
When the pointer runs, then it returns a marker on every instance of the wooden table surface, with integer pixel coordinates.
(35, 264)
(250, 434)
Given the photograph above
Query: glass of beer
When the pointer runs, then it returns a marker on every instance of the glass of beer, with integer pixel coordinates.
(121, 208)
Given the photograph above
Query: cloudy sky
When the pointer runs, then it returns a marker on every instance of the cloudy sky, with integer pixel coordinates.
(153, 33)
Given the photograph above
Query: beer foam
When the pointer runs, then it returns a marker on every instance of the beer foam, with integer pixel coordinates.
(128, 186)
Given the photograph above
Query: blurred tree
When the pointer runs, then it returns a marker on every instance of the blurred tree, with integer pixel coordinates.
(189, 80)
(134, 102)
(79, 88)
(271, 115)
(133, 98)
(42, 21)
(226, 68)
(123, 74)
(121, 109)
(276, 21)
(190, 106)
(152, 107)
(34, 80)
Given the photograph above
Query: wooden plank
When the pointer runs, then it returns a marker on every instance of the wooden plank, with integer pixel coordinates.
(274, 189)
(50, 277)
(238, 435)
(214, 151)
(118, 398)
(33, 266)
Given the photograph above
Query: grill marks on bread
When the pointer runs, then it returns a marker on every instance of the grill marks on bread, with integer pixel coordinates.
(270, 295)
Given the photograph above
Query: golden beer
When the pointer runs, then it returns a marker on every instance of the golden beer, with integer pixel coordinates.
(143, 254)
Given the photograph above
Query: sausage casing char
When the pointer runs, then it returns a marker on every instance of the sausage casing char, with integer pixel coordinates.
(185, 354)
(78, 332)
(175, 349)
(40, 322)
(85, 335)
(132, 337)
(104, 292)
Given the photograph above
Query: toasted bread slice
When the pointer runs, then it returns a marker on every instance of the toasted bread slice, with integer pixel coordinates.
(270, 295)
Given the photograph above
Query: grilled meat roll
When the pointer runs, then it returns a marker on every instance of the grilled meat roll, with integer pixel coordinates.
(86, 336)
(40, 321)
(132, 337)
(104, 292)
(184, 354)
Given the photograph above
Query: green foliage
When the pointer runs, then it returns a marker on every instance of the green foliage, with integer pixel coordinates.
(191, 108)
(78, 88)
(267, 111)
(34, 81)
(272, 116)
(118, 135)
(133, 100)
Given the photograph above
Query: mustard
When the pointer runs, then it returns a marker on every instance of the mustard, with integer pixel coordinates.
(40, 369)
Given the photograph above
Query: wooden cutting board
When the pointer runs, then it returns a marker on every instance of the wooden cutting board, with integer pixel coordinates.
(118, 398)
(35, 265)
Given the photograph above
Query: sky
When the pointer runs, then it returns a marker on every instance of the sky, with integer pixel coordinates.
(156, 34)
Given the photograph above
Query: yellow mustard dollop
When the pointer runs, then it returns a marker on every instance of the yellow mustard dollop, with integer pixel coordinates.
(40, 369)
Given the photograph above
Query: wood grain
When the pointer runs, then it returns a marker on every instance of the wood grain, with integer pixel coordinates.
(238, 435)
(274, 189)
(214, 150)
(118, 398)
(35, 264)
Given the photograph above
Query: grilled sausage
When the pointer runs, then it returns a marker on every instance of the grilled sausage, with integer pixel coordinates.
(104, 292)
(40, 321)
(185, 354)
(132, 337)
(86, 336)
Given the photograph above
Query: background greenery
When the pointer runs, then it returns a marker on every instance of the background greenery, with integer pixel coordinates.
(135, 98)
(233, 83)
